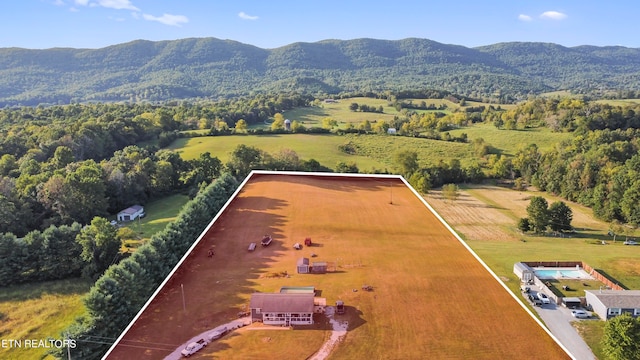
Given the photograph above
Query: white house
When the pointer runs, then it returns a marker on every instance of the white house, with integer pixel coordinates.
(282, 309)
(131, 213)
(611, 303)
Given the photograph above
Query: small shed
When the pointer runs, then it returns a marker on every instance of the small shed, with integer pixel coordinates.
(571, 302)
(524, 272)
(303, 266)
(319, 267)
(131, 213)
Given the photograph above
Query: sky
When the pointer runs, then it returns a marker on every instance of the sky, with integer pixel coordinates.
(42, 24)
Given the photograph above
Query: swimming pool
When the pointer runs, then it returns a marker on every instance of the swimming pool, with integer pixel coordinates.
(561, 273)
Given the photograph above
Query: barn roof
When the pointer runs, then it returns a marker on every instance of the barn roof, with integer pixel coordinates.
(276, 302)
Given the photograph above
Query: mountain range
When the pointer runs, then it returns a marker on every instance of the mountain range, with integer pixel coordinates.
(214, 68)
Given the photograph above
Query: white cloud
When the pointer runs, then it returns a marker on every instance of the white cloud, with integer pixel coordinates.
(81, 2)
(116, 4)
(553, 15)
(167, 19)
(246, 16)
(58, 2)
(523, 17)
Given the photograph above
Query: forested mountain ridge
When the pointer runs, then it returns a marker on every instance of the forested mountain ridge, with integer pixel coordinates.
(212, 68)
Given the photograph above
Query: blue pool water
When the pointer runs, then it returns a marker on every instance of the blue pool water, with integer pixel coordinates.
(561, 273)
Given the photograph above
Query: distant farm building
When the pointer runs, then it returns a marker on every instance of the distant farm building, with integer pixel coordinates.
(303, 266)
(282, 309)
(611, 303)
(131, 213)
(319, 267)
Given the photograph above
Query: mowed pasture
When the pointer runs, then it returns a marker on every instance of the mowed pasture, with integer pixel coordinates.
(38, 311)
(508, 142)
(373, 151)
(486, 217)
(431, 297)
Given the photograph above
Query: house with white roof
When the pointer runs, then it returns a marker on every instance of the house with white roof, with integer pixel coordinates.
(131, 213)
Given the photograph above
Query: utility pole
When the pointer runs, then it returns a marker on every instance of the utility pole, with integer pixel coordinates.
(184, 304)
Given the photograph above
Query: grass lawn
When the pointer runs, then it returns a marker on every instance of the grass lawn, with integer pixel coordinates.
(159, 213)
(509, 141)
(373, 151)
(592, 332)
(39, 311)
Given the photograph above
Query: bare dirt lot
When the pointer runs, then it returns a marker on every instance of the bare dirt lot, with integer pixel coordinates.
(431, 298)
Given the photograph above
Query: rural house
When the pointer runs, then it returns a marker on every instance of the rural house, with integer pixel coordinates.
(131, 213)
(611, 303)
(282, 309)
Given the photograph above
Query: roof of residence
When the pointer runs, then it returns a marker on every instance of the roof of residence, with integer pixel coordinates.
(132, 209)
(276, 302)
(624, 299)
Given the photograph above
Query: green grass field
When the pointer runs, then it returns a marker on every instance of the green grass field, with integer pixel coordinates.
(38, 311)
(159, 213)
(509, 141)
(374, 151)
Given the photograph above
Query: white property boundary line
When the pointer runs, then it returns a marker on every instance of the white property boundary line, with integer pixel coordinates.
(325, 174)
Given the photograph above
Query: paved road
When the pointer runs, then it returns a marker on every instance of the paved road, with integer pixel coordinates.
(558, 319)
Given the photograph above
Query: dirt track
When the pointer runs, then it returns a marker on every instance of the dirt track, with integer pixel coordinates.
(431, 298)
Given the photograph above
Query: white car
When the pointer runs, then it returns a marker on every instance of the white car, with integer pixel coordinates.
(630, 242)
(194, 347)
(580, 314)
(544, 298)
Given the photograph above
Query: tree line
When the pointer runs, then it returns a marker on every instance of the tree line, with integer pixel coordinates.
(118, 295)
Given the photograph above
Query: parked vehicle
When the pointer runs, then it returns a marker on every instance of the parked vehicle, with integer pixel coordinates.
(544, 298)
(534, 300)
(340, 307)
(218, 333)
(194, 347)
(630, 242)
(580, 314)
(266, 240)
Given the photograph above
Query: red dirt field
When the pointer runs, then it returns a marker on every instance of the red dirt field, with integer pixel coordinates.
(432, 298)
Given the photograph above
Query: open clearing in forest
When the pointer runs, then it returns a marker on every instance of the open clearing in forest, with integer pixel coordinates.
(427, 285)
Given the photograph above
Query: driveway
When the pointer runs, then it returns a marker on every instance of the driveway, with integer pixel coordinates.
(558, 320)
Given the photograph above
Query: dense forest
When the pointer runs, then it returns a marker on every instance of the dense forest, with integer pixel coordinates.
(210, 68)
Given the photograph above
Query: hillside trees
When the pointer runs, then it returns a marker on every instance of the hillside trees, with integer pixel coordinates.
(40, 256)
(123, 289)
(100, 247)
